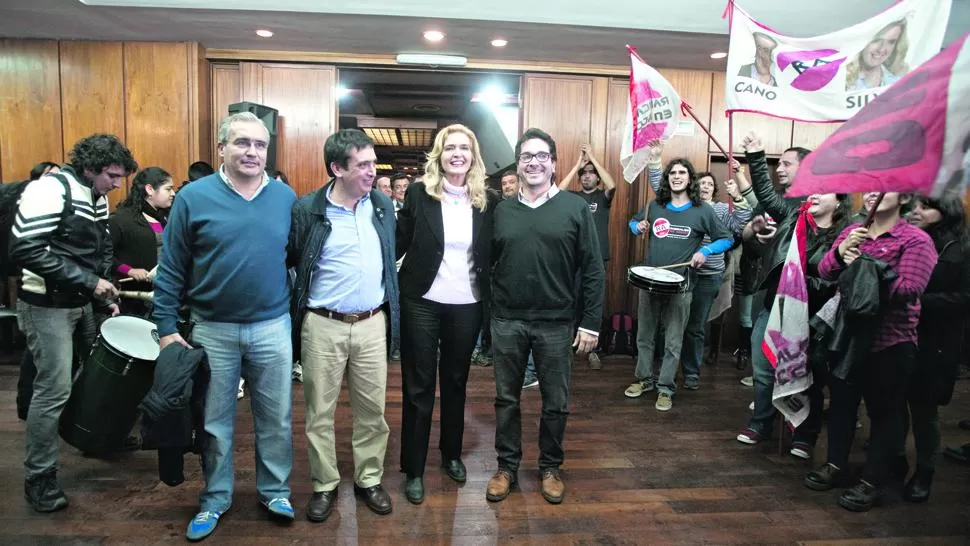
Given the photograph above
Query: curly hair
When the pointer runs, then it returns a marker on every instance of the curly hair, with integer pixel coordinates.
(707, 174)
(475, 178)
(693, 188)
(97, 152)
(896, 63)
(156, 177)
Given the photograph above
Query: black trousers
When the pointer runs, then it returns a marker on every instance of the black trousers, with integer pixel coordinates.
(551, 346)
(881, 380)
(427, 326)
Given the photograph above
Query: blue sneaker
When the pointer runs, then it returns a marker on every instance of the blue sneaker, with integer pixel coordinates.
(202, 525)
(280, 508)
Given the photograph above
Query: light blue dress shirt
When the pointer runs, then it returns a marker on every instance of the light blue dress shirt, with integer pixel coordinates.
(349, 274)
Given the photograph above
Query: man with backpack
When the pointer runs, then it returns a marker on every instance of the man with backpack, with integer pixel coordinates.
(61, 241)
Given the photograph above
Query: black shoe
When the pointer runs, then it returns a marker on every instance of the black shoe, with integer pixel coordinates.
(132, 443)
(918, 487)
(825, 478)
(963, 425)
(414, 489)
(321, 504)
(375, 498)
(456, 470)
(43, 493)
(742, 359)
(861, 497)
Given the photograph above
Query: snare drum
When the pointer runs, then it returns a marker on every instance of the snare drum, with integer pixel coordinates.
(118, 374)
(656, 281)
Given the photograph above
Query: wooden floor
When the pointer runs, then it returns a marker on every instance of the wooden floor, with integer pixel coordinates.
(633, 476)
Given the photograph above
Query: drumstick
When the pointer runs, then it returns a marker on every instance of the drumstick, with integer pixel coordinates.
(126, 279)
(671, 266)
(144, 296)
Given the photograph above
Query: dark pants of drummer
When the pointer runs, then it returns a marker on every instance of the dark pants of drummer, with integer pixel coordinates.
(654, 310)
(50, 334)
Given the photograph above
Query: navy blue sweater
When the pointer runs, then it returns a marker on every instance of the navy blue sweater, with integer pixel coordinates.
(224, 256)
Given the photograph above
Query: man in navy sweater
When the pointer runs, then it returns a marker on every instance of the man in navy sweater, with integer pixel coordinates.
(544, 238)
(224, 253)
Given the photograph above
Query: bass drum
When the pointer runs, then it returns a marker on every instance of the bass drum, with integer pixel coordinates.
(103, 405)
(655, 280)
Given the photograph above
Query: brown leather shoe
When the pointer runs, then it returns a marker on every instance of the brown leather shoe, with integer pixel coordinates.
(375, 498)
(553, 488)
(500, 485)
(320, 506)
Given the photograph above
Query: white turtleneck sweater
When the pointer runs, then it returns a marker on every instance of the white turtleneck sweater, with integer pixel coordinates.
(455, 282)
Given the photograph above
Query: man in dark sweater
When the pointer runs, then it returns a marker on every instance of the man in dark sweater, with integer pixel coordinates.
(542, 239)
(224, 253)
(676, 222)
(591, 174)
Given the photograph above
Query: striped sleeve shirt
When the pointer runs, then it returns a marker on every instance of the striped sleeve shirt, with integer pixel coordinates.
(909, 251)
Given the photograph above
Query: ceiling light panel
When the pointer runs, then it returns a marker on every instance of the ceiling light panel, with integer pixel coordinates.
(416, 138)
(382, 137)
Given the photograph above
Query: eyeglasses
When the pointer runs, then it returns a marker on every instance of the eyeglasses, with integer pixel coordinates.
(526, 157)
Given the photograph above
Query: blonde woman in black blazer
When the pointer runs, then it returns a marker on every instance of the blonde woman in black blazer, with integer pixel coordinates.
(444, 232)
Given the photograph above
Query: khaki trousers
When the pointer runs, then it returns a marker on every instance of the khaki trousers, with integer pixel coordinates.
(329, 347)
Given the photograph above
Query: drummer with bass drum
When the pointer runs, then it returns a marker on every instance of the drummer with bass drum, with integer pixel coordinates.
(66, 264)
(676, 223)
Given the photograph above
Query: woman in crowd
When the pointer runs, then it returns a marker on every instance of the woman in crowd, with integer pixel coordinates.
(945, 305)
(444, 232)
(136, 233)
(830, 213)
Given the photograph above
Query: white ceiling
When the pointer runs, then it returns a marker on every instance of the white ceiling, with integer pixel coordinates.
(681, 33)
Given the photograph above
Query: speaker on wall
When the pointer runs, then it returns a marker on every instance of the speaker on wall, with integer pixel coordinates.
(270, 117)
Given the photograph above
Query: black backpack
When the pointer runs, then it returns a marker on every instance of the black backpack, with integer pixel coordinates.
(9, 200)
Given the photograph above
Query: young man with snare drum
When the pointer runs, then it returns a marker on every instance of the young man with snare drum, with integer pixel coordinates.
(676, 221)
(60, 237)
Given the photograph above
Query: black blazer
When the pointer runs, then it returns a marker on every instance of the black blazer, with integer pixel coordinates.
(421, 240)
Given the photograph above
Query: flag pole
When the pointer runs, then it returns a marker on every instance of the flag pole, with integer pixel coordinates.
(730, 154)
(684, 107)
(872, 212)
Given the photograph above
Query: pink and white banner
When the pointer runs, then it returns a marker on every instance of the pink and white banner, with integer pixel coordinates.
(830, 77)
(914, 137)
(654, 114)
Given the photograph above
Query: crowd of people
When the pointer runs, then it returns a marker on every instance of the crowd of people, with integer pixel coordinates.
(443, 271)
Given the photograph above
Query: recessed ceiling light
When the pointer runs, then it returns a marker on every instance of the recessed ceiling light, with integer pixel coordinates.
(264, 33)
(718, 55)
(434, 35)
(499, 42)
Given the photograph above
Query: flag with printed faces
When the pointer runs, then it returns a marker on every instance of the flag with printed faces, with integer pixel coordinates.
(831, 77)
(915, 137)
(653, 115)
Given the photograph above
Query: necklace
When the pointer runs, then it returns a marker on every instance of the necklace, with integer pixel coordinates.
(456, 195)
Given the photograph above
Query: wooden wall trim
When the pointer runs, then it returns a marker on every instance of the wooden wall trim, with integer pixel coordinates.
(216, 55)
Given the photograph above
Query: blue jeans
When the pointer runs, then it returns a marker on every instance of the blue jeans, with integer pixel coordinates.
(51, 336)
(671, 312)
(705, 291)
(262, 353)
(763, 416)
(530, 367)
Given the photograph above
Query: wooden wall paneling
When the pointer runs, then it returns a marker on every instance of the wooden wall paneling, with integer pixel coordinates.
(563, 107)
(30, 100)
(625, 202)
(811, 135)
(158, 105)
(93, 95)
(200, 106)
(776, 133)
(226, 90)
(694, 88)
(304, 96)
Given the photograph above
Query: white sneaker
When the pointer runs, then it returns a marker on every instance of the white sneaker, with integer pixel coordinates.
(241, 393)
(298, 372)
(751, 406)
(748, 381)
(637, 388)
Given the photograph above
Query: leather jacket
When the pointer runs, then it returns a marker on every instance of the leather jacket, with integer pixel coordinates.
(61, 266)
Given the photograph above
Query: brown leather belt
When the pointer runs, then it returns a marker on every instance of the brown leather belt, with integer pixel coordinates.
(349, 318)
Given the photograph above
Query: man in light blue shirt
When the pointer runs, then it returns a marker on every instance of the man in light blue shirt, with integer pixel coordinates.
(345, 294)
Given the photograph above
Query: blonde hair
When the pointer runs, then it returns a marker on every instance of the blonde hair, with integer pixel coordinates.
(896, 63)
(475, 178)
